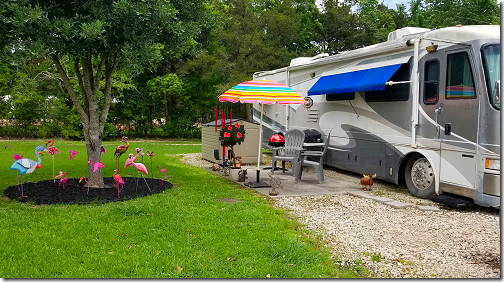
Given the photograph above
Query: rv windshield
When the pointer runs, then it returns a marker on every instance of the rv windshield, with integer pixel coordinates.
(491, 57)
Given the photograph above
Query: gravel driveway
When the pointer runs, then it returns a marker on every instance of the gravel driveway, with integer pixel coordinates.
(398, 243)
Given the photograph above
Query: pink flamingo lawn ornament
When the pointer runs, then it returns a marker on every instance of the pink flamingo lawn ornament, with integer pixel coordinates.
(52, 150)
(96, 165)
(27, 166)
(163, 177)
(118, 182)
(85, 179)
(131, 158)
(139, 166)
(72, 154)
(151, 155)
(64, 178)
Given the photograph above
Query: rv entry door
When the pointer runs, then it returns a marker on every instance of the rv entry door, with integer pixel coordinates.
(457, 115)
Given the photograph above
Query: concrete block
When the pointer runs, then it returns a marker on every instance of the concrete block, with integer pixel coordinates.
(360, 194)
(397, 205)
(380, 199)
(428, 208)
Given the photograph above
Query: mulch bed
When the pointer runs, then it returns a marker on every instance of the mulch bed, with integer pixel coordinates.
(48, 192)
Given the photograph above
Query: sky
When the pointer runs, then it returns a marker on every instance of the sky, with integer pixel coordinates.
(392, 3)
(389, 3)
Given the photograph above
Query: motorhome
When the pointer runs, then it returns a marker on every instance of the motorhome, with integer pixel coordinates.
(422, 108)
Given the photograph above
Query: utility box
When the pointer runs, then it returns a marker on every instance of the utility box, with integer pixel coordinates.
(247, 150)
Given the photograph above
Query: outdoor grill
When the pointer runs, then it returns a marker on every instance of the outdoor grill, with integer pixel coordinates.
(276, 140)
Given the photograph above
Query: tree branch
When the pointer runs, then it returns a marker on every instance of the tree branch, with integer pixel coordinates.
(98, 73)
(81, 84)
(68, 86)
(110, 67)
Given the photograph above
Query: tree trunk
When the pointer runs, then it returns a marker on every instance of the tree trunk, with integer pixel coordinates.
(92, 117)
(93, 146)
(166, 108)
(248, 110)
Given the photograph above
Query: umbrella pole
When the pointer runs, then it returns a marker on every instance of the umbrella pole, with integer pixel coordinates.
(260, 138)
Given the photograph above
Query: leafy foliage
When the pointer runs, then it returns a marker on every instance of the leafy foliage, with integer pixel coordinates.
(166, 62)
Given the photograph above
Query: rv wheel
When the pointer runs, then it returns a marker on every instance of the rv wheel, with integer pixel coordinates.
(420, 177)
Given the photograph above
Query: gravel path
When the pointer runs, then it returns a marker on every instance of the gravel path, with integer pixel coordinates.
(398, 243)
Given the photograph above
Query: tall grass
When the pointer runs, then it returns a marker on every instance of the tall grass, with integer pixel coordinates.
(186, 231)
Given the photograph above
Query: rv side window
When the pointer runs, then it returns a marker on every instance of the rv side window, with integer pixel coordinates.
(340, 96)
(396, 92)
(491, 64)
(431, 77)
(459, 78)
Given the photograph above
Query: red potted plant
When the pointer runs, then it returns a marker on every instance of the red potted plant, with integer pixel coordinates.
(231, 135)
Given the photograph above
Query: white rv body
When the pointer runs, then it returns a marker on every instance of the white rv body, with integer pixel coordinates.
(433, 120)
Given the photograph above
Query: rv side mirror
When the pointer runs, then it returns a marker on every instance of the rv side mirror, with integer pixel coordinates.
(497, 92)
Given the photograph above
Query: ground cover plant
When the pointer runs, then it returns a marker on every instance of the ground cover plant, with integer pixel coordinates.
(205, 226)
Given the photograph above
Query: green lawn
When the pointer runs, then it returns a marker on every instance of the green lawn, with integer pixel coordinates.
(187, 231)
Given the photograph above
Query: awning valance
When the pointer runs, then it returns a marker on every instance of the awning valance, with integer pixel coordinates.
(361, 78)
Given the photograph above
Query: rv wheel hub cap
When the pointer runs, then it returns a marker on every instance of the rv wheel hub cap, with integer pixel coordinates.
(422, 173)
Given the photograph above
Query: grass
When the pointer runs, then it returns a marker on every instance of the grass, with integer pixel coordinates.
(185, 232)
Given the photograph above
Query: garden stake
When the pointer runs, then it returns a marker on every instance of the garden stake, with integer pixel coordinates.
(72, 154)
(151, 155)
(52, 150)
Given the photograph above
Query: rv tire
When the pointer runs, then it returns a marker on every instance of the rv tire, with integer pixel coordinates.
(419, 177)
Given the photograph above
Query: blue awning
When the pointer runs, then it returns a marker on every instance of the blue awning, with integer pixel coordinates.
(362, 80)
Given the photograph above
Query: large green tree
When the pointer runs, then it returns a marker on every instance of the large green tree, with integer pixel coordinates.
(440, 13)
(96, 37)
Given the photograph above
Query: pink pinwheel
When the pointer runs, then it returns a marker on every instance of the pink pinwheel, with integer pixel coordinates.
(118, 182)
(63, 180)
(96, 165)
(142, 154)
(52, 150)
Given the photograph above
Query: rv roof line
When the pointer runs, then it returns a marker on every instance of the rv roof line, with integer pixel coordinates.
(444, 40)
(368, 51)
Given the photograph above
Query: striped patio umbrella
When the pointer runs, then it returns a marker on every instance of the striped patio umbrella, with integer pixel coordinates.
(263, 92)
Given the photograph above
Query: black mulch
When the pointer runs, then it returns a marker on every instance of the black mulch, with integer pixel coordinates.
(48, 192)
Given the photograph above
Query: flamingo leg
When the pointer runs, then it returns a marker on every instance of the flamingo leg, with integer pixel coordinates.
(53, 169)
(17, 178)
(22, 195)
(137, 184)
(146, 182)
